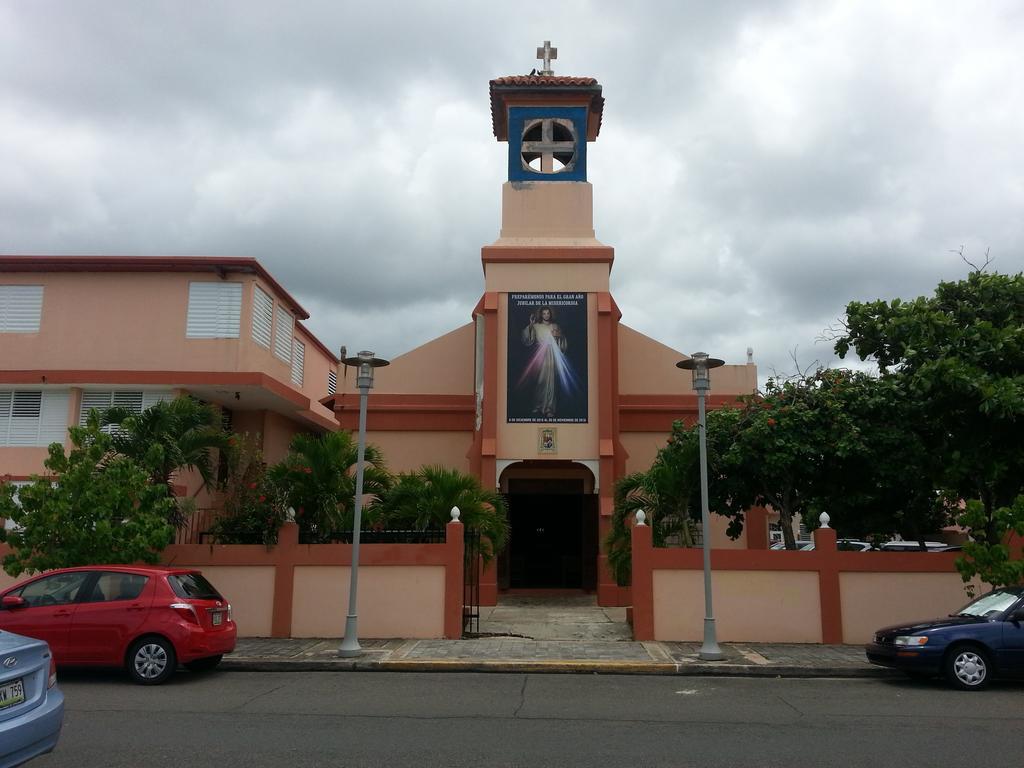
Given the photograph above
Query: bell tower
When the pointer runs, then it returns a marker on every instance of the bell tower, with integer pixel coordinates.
(547, 331)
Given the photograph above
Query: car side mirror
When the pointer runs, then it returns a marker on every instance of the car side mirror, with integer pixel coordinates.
(11, 602)
(1017, 615)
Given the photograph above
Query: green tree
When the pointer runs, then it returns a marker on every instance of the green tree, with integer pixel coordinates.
(94, 507)
(960, 355)
(169, 438)
(425, 498)
(318, 480)
(777, 450)
(664, 492)
(993, 563)
(254, 508)
(880, 477)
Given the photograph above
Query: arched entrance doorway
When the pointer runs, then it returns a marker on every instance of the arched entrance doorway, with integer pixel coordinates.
(553, 513)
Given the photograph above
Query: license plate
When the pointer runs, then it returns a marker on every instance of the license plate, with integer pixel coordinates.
(12, 693)
(218, 618)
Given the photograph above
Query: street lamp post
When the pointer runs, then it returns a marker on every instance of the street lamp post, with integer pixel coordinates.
(701, 366)
(364, 363)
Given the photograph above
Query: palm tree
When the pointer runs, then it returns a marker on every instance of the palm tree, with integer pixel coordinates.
(425, 498)
(168, 438)
(666, 493)
(318, 481)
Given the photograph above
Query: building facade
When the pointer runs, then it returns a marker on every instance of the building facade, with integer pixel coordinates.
(78, 333)
(545, 394)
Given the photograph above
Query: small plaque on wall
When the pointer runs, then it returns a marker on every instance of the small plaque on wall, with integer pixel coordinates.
(547, 440)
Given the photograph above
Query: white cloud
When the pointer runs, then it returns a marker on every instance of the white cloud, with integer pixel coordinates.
(760, 163)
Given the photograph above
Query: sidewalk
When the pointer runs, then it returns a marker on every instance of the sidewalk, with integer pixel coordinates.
(517, 654)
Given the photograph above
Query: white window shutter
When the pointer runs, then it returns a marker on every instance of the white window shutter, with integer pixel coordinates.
(262, 317)
(283, 325)
(5, 416)
(332, 382)
(149, 399)
(25, 409)
(21, 308)
(53, 419)
(98, 400)
(298, 361)
(134, 401)
(214, 310)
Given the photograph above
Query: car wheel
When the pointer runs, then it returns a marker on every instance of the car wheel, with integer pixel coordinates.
(968, 668)
(204, 665)
(151, 660)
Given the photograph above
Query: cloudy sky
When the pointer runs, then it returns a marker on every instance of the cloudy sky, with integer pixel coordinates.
(760, 165)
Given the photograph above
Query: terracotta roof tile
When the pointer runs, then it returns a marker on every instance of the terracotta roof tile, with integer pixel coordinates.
(526, 83)
(543, 80)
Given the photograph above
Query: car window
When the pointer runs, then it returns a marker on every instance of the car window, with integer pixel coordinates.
(59, 589)
(193, 585)
(994, 602)
(111, 586)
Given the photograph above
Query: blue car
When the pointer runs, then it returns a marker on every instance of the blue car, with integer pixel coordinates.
(31, 704)
(982, 640)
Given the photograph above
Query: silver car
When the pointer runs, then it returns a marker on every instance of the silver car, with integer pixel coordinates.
(31, 704)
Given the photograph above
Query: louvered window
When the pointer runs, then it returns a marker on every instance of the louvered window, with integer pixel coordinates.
(134, 400)
(214, 310)
(33, 418)
(284, 324)
(298, 361)
(332, 382)
(262, 317)
(21, 308)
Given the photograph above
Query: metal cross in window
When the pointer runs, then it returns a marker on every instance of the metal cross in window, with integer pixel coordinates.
(549, 149)
(547, 53)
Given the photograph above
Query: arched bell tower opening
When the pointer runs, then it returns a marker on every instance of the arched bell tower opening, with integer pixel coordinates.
(553, 513)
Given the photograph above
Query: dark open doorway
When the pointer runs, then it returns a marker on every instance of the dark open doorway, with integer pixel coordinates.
(553, 544)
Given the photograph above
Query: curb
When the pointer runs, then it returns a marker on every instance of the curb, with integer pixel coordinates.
(554, 667)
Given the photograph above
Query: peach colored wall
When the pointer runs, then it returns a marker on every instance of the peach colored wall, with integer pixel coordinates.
(248, 422)
(9, 581)
(277, 435)
(575, 441)
(250, 590)
(642, 448)
(315, 369)
(874, 600)
(443, 366)
(720, 539)
(750, 606)
(405, 451)
(563, 209)
(22, 462)
(648, 367)
(394, 601)
(524, 278)
(137, 321)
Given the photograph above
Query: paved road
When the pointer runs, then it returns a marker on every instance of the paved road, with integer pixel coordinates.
(392, 719)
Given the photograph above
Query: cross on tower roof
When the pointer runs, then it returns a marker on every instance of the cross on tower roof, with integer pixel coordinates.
(547, 53)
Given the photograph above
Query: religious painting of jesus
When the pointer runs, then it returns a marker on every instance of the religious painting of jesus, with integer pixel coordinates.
(547, 358)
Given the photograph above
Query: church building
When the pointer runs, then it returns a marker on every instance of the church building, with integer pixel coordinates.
(545, 394)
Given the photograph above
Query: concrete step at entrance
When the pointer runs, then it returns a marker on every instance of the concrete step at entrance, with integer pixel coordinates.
(558, 617)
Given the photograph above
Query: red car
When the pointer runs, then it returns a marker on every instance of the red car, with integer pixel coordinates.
(146, 619)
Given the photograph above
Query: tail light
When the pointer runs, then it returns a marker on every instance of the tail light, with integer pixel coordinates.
(187, 611)
(52, 681)
(231, 615)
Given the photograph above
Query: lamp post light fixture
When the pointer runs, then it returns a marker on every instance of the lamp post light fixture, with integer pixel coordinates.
(364, 363)
(701, 366)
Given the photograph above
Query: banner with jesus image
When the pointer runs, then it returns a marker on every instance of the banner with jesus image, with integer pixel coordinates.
(547, 358)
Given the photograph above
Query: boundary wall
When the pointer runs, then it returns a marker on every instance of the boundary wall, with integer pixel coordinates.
(301, 590)
(820, 596)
